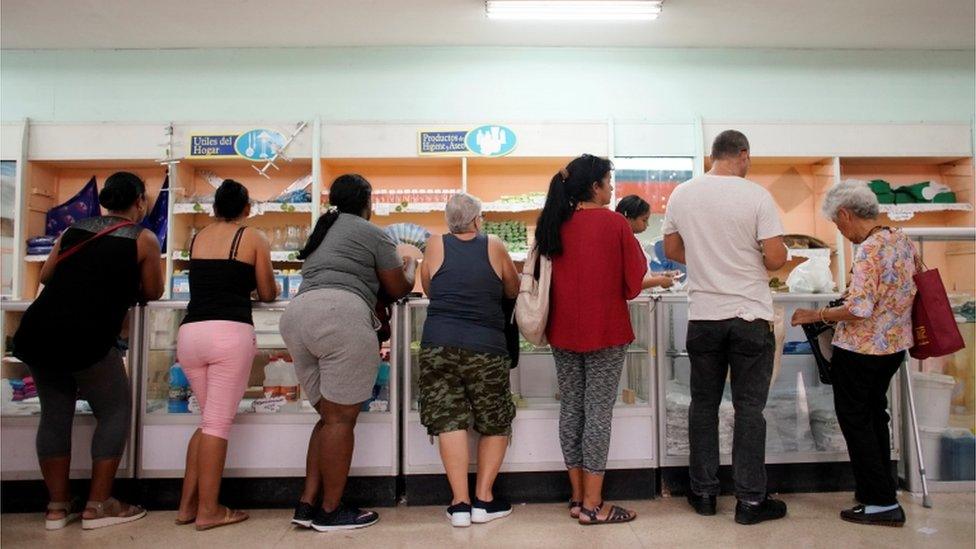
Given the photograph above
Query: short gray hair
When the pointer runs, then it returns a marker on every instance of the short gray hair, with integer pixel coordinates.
(854, 196)
(729, 144)
(461, 211)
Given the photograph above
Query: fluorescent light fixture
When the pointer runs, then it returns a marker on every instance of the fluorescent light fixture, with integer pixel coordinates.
(574, 10)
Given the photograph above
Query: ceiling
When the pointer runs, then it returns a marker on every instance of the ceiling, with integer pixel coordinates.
(152, 24)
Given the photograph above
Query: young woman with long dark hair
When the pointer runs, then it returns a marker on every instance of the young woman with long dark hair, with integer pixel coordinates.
(597, 265)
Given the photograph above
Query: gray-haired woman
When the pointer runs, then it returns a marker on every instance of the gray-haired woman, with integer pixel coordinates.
(464, 363)
(874, 328)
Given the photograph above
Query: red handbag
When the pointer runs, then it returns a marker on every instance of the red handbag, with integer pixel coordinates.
(933, 324)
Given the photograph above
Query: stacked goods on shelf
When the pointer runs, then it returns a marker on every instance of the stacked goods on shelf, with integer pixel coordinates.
(517, 203)
(917, 193)
(513, 233)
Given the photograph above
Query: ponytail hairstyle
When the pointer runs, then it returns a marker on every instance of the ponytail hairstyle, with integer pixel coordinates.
(349, 194)
(570, 186)
(633, 206)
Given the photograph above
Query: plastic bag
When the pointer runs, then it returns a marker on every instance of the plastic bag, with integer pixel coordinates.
(813, 276)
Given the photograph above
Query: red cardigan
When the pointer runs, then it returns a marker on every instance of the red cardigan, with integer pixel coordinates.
(601, 267)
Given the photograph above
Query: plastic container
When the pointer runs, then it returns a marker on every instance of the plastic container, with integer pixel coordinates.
(179, 391)
(181, 287)
(933, 396)
(294, 283)
(931, 440)
(958, 455)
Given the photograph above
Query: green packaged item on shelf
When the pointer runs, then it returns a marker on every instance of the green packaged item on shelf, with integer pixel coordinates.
(945, 198)
(880, 186)
(915, 191)
(904, 197)
(885, 198)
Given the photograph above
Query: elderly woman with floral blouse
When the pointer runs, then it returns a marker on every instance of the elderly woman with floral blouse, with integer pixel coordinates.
(874, 328)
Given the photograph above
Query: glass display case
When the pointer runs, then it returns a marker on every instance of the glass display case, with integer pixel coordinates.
(270, 434)
(944, 386)
(535, 440)
(20, 408)
(801, 425)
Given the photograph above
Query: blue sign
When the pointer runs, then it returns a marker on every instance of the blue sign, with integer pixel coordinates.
(448, 142)
(490, 140)
(255, 145)
(212, 145)
(259, 144)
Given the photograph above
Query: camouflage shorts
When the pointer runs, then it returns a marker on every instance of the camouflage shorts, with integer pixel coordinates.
(458, 386)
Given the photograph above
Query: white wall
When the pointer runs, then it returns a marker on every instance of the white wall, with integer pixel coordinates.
(491, 84)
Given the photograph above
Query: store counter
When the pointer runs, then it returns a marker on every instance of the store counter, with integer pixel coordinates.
(20, 409)
(801, 423)
(270, 435)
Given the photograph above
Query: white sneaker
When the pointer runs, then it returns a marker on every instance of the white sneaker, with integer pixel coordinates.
(460, 515)
(487, 511)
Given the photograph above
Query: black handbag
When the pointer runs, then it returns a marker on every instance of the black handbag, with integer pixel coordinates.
(821, 338)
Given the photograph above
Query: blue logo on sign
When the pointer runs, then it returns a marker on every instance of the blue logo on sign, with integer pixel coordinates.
(259, 144)
(490, 140)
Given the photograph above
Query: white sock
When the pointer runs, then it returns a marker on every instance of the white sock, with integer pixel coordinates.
(872, 509)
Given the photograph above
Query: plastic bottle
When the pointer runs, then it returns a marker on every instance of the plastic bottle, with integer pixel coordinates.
(272, 382)
(179, 391)
(290, 387)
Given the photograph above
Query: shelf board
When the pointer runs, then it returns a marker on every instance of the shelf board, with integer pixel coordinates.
(904, 212)
(258, 208)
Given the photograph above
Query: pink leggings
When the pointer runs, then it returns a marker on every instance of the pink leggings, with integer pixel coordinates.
(216, 356)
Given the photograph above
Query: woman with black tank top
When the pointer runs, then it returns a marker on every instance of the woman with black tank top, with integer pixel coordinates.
(68, 337)
(216, 345)
(464, 360)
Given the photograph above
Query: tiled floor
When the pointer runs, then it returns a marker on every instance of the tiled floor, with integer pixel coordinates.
(662, 523)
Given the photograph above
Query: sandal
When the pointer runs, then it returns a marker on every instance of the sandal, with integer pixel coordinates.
(574, 509)
(230, 517)
(72, 512)
(181, 522)
(111, 512)
(617, 515)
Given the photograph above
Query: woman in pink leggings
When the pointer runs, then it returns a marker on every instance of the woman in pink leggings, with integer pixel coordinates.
(216, 345)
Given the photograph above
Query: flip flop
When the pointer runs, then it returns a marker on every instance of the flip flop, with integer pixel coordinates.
(179, 522)
(230, 517)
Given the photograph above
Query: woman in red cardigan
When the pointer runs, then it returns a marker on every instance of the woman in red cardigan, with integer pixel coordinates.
(597, 265)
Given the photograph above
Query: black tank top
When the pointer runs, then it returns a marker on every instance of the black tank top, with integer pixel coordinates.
(465, 308)
(220, 289)
(78, 316)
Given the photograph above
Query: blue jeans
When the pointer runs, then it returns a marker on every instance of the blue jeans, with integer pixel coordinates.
(714, 347)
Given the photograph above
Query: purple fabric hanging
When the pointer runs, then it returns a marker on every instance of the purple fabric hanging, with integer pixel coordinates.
(78, 207)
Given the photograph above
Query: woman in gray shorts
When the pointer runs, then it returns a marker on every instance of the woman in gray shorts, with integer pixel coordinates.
(330, 330)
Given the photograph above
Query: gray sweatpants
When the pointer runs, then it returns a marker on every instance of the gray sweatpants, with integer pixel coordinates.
(588, 390)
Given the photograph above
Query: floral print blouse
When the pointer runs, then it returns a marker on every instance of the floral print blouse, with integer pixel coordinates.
(881, 293)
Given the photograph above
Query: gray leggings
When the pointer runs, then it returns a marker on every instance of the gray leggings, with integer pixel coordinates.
(587, 392)
(105, 386)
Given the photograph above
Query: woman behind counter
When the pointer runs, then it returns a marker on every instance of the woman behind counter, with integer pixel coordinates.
(874, 328)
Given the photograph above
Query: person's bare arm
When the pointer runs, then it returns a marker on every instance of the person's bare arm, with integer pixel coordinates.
(399, 282)
(499, 256)
(774, 253)
(432, 255)
(150, 273)
(263, 269)
(674, 248)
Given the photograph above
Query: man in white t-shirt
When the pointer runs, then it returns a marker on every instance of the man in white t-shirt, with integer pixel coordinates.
(727, 230)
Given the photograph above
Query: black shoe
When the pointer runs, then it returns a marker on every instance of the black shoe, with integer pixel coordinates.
(487, 511)
(895, 517)
(754, 513)
(304, 514)
(343, 518)
(460, 515)
(703, 505)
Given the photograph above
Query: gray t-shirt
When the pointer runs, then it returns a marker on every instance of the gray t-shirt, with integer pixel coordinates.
(722, 221)
(353, 250)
